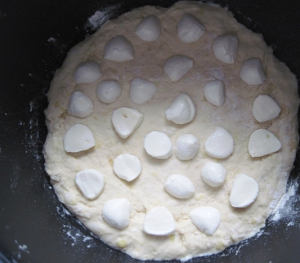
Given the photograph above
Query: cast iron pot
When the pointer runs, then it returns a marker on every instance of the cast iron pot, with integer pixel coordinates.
(35, 36)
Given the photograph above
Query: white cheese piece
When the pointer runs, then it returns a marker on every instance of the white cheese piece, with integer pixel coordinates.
(252, 72)
(141, 90)
(90, 183)
(225, 48)
(108, 91)
(177, 66)
(116, 212)
(206, 218)
(244, 191)
(126, 121)
(265, 108)
(262, 142)
(219, 144)
(213, 174)
(214, 92)
(118, 49)
(159, 222)
(158, 145)
(78, 138)
(80, 105)
(182, 110)
(87, 72)
(179, 186)
(149, 29)
(189, 28)
(127, 167)
(186, 147)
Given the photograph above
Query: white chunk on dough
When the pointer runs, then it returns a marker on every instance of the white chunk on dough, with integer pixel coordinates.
(108, 91)
(118, 49)
(90, 183)
(179, 186)
(244, 191)
(126, 121)
(78, 138)
(149, 29)
(213, 174)
(252, 72)
(116, 212)
(159, 222)
(177, 66)
(186, 147)
(189, 28)
(87, 72)
(182, 110)
(80, 105)
(127, 167)
(141, 90)
(206, 218)
(158, 145)
(262, 142)
(225, 48)
(214, 92)
(219, 144)
(265, 108)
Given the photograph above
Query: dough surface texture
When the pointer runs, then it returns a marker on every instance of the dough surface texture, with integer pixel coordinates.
(147, 190)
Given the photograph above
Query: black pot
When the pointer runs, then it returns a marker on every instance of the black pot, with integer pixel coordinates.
(35, 36)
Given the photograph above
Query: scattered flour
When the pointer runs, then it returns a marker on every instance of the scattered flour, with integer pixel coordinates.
(288, 208)
(101, 16)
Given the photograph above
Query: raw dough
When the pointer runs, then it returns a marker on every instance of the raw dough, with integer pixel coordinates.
(147, 191)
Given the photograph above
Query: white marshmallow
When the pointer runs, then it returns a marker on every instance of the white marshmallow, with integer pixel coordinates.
(158, 145)
(78, 138)
(186, 147)
(219, 144)
(116, 212)
(214, 92)
(265, 108)
(149, 29)
(179, 186)
(90, 183)
(182, 110)
(87, 72)
(118, 49)
(108, 91)
(244, 191)
(262, 142)
(206, 218)
(141, 90)
(213, 174)
(225, 48)
(189, 28)
(177, 66)
(127, 167)
(126, 121)
(80, 105)
(252, 72)
(159, 222)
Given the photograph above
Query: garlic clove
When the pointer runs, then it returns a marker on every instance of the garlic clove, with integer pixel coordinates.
(126, 121)
(182, 110)
(119, 49)
(177, 66)
(78, 138)
(262, 142)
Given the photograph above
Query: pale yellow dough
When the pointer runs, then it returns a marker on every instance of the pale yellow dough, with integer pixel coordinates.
(147, 191)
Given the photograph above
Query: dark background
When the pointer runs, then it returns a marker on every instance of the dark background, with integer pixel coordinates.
(35, 36)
